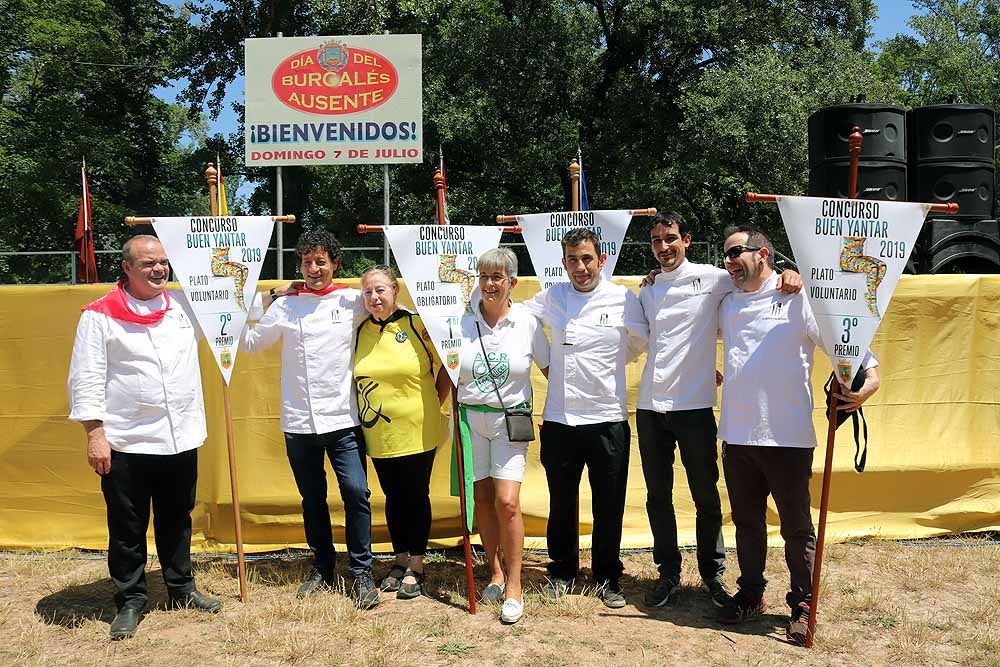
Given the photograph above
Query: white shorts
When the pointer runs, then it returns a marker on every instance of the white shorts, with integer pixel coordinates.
(493, 455)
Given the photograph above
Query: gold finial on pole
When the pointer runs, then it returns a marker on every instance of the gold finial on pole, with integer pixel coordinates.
(212, 176)
(574, 178)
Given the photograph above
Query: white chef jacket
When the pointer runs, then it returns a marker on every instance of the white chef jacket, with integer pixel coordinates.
(517, 339)
(142, 381)
(593, 335)
(769, 338)
(317, 356)
(682, 310)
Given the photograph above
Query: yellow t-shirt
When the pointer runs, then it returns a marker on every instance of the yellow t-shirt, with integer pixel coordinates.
(394, 370)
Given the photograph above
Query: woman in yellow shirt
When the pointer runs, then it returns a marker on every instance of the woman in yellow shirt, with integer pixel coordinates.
(401, 384)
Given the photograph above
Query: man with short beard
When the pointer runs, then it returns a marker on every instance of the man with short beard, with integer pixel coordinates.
(766, 425)
(597, 328)
(676, 396)
(135, 386)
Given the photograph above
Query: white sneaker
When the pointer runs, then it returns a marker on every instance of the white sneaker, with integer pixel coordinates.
(512, 610)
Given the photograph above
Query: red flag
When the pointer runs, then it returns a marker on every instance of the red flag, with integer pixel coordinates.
(83, 238)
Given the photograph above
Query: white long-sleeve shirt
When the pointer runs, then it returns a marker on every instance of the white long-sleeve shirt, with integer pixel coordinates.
(593, 335)
(317, 357)
(682, 310)
(769, 338)
(142, 381)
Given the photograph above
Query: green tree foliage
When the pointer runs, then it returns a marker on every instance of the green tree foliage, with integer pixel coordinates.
(678, 105)
(955, 52)
(77, 82)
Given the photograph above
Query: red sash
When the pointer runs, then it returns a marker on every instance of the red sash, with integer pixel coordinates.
(114, 304)
(319, 292)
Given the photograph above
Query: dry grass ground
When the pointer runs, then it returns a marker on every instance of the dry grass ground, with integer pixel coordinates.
(884, 604)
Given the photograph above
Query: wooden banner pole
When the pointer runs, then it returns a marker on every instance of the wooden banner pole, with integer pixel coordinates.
(211, 175)
(636, 213)
(855, 141)
(574, 179)
(439, 186)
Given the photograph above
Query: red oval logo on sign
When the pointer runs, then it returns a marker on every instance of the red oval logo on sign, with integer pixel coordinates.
(334, 79)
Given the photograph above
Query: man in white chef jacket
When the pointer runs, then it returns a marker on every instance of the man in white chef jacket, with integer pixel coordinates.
(596, 328)
(677, 394)
(766, 424)
(135, 386)
(314, 320)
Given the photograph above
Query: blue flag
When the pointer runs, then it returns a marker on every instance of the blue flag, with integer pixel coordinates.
(584, 199)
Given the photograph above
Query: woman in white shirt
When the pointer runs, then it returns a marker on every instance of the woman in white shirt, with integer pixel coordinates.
(496, 374)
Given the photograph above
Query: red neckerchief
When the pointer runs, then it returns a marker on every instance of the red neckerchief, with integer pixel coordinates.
(114, 304)
(319, 292)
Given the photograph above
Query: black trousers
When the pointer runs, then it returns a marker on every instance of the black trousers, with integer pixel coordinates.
(136, 480)
(783, 472)
(406, 484)
(693, 432)
(565, 450)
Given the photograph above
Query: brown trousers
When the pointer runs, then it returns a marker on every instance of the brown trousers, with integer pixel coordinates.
(783, 472)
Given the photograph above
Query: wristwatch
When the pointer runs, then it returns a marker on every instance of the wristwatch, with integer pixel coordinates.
(273, 294)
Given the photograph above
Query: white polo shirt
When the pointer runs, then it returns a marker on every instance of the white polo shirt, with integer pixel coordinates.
(682, 309)
(142, 381)
(317, 357)
(517, 339)
(594, 334)
(769, 338)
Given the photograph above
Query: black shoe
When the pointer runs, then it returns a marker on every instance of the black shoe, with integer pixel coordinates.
(409, 591)
(798, 624)
(125, 623)
(717, 591)
(611, 595)
(364, 591)
(314, 582)
(741, 607)
(196, 600)
(391, 581)
(663, 592)
(555, 588)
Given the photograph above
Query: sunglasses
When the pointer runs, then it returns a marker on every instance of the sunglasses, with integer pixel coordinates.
(738, 250)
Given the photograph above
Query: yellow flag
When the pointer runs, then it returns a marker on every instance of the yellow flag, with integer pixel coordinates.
(223, 204)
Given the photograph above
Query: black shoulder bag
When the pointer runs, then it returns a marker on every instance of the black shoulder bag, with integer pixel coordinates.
(520, 427)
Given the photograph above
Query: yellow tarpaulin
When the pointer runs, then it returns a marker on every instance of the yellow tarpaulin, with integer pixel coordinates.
(933, 461)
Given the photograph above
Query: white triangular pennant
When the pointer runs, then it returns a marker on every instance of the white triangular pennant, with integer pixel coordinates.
(217, 262)
(543, 234)
(850, 253)
(438, 263)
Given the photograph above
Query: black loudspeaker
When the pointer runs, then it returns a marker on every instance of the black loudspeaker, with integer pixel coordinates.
(883, 128)
(971, 184)
(877, 179)
(959, 246)
(957, 132)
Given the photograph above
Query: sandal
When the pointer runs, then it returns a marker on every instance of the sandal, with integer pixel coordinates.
(410, 591)
(391, 582)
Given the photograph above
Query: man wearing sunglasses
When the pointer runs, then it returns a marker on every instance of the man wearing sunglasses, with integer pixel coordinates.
(766, 424)
(676, 396)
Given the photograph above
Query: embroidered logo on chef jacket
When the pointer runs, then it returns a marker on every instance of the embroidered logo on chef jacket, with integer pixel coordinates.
(336, 316)
(401, 336)
(778, 310)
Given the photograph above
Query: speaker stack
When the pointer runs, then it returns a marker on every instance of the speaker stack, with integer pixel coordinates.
(882, 167)
(951, 160)
(937, 154)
